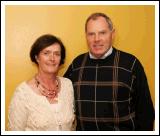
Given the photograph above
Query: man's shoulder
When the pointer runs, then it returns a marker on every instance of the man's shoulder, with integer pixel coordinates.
(126, 54)
(127, 60)
(80, 57)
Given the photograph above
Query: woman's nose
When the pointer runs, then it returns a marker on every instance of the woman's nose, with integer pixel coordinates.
(52, 57)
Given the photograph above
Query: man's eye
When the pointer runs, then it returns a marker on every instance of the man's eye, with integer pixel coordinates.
(90, 34)
(103, 32)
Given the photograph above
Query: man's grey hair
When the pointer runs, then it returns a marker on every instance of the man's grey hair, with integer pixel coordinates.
(94, 16)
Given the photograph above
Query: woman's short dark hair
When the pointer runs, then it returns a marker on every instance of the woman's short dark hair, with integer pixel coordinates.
(43, 42)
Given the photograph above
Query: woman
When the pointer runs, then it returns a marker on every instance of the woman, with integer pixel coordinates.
(46, 102)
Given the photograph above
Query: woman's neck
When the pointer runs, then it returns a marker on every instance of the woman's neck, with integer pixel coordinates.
(47, 79)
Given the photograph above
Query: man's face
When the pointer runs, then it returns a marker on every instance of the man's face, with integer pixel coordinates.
(99, 36)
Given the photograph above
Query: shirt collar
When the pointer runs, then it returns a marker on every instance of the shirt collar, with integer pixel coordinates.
(104, 56)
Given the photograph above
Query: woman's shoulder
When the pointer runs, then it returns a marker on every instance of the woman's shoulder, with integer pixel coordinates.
(20, 94)
(65, 80)
(66, 83)
(21, 89)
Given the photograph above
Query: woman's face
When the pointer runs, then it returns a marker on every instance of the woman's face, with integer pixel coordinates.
(49, 59)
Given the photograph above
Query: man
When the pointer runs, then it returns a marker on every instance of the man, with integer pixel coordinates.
(111, 89)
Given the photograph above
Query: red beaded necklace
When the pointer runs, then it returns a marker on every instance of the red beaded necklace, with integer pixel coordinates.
(49, 93)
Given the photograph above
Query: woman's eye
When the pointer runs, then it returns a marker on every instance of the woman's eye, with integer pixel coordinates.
(58, 54)
(45, 53)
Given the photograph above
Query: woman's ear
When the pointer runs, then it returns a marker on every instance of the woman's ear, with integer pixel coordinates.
(36, 58)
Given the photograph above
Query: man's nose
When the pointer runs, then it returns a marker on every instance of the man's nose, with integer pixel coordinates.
(97, 38)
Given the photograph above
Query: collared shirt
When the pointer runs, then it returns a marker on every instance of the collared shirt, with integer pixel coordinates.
(104, 56)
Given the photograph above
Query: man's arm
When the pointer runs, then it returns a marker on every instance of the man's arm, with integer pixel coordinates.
(145, 113)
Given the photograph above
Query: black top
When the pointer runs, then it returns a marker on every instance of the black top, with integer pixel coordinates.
(111, 93)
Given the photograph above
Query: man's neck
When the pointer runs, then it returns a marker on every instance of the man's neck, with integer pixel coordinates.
(102, 57)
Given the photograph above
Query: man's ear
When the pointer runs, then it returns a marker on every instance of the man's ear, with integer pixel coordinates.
(113, 33)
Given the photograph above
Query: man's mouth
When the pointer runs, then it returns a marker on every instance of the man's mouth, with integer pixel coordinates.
(98, 46)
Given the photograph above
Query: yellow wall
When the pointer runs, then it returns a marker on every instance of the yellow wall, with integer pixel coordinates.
(135, 32)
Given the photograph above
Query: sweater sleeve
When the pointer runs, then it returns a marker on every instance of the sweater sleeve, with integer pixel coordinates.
(144, 109)
(17, 112)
